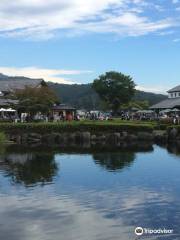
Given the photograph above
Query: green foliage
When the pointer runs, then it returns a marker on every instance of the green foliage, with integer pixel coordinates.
(161, 127)
(166, 121)
(114, 88)
(136, 104)
(2, 137)
(35, 99)
(96, 126)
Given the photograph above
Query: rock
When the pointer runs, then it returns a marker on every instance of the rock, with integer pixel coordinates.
(93, 137)
(113, 138)
(49, 138)
(131, 138)
(173, 133)
(124, 134)
(86, 136)
(145, 136)
(34, 135)
(160, 136)
(78, 137)
(32, 138)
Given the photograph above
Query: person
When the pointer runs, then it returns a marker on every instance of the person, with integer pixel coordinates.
(174, 120)
(77, 117)
(69, 117)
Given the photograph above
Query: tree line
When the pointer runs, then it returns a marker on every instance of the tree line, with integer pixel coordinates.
(110, 91)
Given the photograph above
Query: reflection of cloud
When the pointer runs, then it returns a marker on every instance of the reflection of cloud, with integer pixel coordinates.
(87, 203)
(51, 218)
(83, 214)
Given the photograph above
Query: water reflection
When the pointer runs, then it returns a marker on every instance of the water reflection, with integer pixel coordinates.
(172, 147)
(85, 202)
(121, 158)
(29, 168)
(114, 161)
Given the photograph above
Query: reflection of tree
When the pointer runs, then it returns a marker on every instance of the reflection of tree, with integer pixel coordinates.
(114, 161)
(30, 168)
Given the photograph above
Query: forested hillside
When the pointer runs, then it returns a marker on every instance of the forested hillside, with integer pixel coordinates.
(83, 96)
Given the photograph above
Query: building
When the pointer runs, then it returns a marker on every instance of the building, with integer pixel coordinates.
(10, 84)
(173, 100)
(5, 102)
(63, 112)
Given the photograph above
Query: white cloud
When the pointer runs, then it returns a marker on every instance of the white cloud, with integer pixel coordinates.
(175, 1)
(176, 40)
(52, 75)
(41, 19)
(65, 76)
(154, 89)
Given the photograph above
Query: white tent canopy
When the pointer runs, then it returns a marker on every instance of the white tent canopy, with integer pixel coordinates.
(175, 110)
(145, 111)
(7, 110)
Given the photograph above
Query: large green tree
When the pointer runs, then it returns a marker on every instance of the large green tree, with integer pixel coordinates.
(115, 89)
(35, 99)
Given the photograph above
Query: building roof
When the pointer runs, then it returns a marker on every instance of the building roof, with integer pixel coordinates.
(63, 107)
(168, 103)
(175, 89)
(9, 84)
(8, 102)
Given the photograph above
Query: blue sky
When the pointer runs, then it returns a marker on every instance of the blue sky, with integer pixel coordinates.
(77, 40)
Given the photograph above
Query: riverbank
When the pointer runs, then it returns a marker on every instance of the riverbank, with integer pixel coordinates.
(87, 132)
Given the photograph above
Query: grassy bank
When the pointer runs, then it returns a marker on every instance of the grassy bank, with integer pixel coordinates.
(2, 137)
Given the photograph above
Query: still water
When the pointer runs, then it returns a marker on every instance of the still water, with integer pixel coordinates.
(90, 195)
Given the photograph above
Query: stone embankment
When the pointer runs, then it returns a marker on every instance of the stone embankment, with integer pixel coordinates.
(115, 138)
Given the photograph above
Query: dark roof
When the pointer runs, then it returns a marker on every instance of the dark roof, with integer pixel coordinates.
(9, 84)
(175, 89)
(63, 107)
(7, 102)
(168, 103)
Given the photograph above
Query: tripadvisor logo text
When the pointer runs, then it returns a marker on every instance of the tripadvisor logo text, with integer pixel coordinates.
(140, 231)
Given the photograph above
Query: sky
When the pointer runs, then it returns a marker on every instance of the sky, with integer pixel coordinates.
(75, 41)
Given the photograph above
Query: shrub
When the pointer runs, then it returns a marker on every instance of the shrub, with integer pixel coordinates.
(161, 127)
(2, 137)
(44, 128)
(166, 121)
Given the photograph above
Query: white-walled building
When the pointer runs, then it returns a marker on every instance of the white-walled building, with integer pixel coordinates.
(173, 100)
(174, 92)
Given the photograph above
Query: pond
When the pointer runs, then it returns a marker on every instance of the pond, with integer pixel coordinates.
(100, 194)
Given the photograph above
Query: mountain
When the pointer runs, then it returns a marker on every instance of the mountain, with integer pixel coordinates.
(19, 78)
(83, 96)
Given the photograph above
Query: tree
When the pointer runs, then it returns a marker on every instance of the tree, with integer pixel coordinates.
(35, 99)
(114, 89)
(136, 104)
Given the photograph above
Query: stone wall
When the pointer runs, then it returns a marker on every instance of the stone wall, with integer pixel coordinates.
(65, 139)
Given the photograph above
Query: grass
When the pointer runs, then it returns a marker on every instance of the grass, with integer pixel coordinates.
(2, 137)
